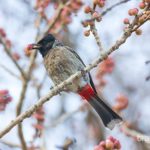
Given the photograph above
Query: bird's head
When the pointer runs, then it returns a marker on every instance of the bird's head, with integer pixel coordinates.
(44, 45)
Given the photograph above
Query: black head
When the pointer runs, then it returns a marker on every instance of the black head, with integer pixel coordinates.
(46, 44)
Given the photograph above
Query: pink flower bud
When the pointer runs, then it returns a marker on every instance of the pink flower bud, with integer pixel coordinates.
(117, 144)
(133, 12)
(2, 33)
(87, 9)
(109, 144)
(142, 5)
(3, 92)
(87, 33)
(16, 56)
(126, 21)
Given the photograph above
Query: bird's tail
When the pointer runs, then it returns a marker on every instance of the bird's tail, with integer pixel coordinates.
(108, 116)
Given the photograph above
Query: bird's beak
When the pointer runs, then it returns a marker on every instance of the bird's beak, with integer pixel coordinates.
(31, 47)
(35, 46)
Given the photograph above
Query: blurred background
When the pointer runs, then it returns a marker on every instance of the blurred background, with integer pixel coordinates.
(122, 77)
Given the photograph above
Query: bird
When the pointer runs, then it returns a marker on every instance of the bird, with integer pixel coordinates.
(62, 61)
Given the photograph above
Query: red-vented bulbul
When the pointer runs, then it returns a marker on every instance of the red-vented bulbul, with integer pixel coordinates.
(61, 62)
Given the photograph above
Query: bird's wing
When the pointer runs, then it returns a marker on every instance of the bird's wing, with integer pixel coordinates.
(92, 83)
(74, 52)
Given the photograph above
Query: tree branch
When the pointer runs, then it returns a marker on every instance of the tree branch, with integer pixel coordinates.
(58, 13)
(29, 72)
(93, 27)
(9, 71)
(23, 93)
(18, 111)
(97, 38)
(7, 50)
(78, 74)
(60, 87)
(136, 135)
(8, 143)
(114, 6)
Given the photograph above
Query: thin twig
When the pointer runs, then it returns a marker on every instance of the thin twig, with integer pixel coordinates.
(136, 135)
(94, 31)
(8, 143)
(93, 28)
(9, 71)
(7, 50)
(18, 111)
(114, 6)
(97, 38)
(148, 18)
(58, 13)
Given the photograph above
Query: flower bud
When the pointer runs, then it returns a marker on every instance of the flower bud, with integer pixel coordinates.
(87, 33)
(126, 21)
(138, 32)
(142, 5)
(87, 9)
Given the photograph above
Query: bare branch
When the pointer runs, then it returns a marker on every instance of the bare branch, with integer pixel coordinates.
(9, 71)
(18, 111)
(136, 135)
(93, 28)
(97, 38)
(58, 13)
(114, 6)
(8, 143)
(7, 50)
(52, 23)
